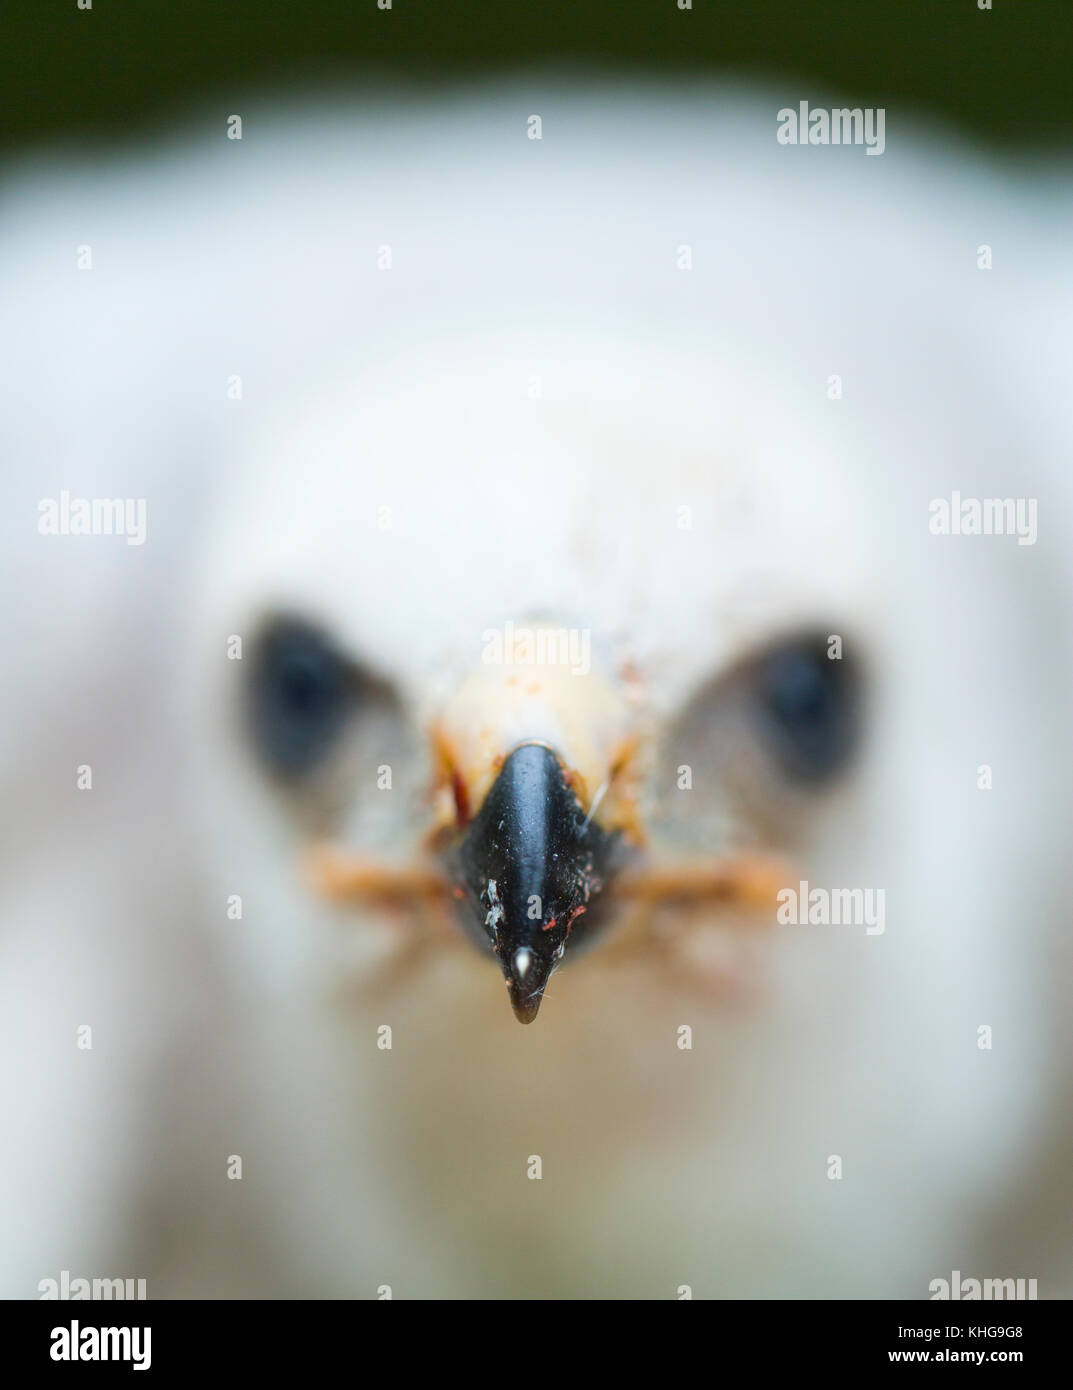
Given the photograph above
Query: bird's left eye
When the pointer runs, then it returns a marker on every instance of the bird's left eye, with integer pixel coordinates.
(809, 705)
(299, 696)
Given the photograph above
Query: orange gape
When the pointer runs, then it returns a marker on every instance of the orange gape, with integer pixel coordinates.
(346, 878)
(745, 881)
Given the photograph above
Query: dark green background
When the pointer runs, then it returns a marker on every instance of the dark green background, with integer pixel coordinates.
(1005, 76)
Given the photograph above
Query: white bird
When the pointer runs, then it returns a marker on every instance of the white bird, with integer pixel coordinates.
(508, 499)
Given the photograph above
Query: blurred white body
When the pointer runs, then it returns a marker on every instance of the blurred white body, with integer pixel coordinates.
(534, 390)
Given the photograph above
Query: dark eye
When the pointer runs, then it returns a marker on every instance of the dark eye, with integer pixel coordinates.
(808, 704)
(299, 696)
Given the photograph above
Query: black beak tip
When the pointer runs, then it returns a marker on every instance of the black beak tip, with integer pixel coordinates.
(527, 978)
(526, 1007)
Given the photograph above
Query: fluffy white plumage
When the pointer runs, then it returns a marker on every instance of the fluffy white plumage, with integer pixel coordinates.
(534, 389)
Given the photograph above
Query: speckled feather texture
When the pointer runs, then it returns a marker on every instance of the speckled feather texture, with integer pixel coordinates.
(535, 390)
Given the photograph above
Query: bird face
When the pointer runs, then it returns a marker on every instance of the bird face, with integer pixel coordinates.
(513, 779)
(538, 785)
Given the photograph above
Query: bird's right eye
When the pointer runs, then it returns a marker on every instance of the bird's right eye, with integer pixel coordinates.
(809, 708)
(299, 696)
